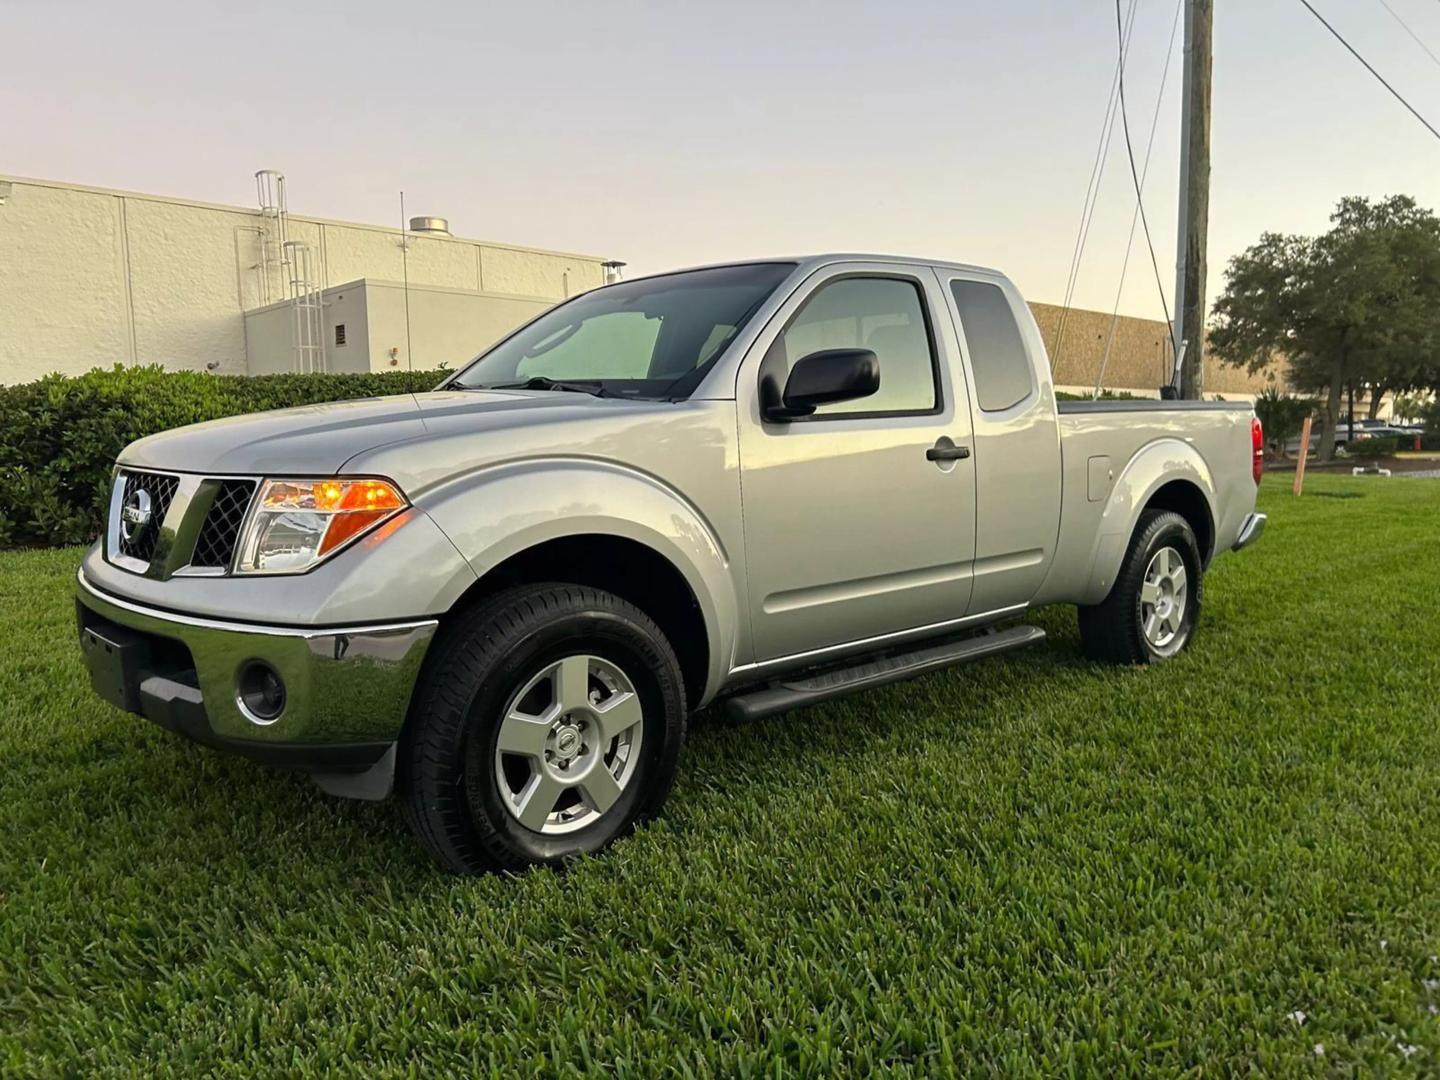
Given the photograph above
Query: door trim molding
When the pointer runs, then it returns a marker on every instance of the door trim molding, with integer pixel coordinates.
(841, 591)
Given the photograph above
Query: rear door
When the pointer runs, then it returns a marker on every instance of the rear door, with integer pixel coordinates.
(851, 532)
(1016, 439)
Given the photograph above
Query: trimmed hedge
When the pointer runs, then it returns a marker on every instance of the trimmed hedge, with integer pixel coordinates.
(1105, 395)
(1378, 447)
(59, 436)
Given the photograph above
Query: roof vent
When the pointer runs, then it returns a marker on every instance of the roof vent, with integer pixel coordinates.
(433, 226)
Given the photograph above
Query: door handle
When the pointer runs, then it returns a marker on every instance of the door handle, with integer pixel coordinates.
(947, 451)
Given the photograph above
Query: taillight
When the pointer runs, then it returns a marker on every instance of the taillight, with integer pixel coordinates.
(1257, 444)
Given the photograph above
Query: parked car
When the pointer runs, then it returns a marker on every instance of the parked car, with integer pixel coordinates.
(1364, 429)
(1292, 446)
(764, 484)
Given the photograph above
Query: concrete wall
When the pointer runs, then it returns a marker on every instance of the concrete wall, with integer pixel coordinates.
(346, 306)
(1139, 359)
(446, 327)
(91, 277)
(64, 283)
(270, 339)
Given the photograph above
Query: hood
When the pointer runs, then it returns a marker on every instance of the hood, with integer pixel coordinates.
(311, 440)
(317, 440)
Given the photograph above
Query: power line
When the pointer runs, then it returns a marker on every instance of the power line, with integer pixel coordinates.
(1134, 173)
(1092, 195)
(1413, 36)
(1351, 49)
(1144, 174)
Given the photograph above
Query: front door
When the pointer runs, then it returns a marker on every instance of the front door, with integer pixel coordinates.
(854, 530)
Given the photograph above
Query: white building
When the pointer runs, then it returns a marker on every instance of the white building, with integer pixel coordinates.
(91, 277)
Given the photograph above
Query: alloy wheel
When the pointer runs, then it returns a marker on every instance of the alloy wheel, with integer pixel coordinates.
(569, 744)
(1164, 595)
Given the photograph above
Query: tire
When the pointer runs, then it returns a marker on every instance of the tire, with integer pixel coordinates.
(1119, 629)
(537, 667)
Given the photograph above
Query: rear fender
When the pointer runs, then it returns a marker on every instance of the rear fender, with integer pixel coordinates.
(1155, 465)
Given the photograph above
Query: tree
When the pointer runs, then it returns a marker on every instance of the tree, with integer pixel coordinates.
(1282, 416)
(1357, 306)
(1410, 407)
(1430, 417)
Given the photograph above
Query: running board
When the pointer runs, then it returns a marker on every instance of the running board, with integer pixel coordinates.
(797, 692)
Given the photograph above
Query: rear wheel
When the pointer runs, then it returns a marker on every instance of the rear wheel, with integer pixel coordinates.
(547, 723)
(1151, 611)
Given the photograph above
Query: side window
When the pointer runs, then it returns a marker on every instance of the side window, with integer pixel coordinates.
(997, 352)
(885, 315)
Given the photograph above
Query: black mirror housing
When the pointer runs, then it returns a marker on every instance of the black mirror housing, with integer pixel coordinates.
(825, 377)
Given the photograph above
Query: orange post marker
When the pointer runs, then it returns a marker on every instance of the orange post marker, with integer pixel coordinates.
(1304, 454)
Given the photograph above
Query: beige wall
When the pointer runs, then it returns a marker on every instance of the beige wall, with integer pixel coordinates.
(91, 277)
(1139, 359)
(64, 297)
(447, 327)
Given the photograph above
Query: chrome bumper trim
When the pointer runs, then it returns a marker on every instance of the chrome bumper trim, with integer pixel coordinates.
(247, 628)
(348, 684)
(1251, 529)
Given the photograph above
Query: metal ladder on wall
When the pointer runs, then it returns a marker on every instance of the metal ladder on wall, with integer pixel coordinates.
(305, 302)
(296, 265)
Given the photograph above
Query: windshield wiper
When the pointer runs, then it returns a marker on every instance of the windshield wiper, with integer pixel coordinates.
(540, 382)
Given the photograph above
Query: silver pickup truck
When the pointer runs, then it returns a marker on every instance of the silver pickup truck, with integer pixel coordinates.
(764, 484)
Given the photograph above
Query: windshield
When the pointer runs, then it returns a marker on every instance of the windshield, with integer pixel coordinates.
(651, 338)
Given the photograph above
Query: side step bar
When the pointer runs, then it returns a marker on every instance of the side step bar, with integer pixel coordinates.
(797, 692)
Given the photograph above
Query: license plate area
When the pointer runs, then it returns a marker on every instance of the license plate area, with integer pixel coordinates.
(116, 657)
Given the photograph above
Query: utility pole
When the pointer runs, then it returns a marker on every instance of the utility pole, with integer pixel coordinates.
(1189, 328)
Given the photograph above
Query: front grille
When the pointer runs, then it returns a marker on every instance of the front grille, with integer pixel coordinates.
(221, 531)
(145, 490)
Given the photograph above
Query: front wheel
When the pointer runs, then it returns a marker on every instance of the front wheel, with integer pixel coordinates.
(547, 723)
(1151, 611)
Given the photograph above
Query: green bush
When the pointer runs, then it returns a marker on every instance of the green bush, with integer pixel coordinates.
(1379, 447)
(1282, 416)
(1105, 395)
(59, 436)
(1429, 414)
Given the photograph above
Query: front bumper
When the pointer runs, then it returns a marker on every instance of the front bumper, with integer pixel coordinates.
(347, 689)
(1251, 529)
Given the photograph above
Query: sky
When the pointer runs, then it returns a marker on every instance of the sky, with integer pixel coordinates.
(676, 133)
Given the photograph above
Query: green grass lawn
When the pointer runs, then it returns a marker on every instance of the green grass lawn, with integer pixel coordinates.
(1031, 865)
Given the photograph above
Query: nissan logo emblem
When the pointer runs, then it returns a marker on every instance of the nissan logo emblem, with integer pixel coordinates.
(135, 515)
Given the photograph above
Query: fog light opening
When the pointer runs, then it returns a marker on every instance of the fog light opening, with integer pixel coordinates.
(261, 693)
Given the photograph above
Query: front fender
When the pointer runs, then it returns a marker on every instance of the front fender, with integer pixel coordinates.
(1153, 466)
(495, 513)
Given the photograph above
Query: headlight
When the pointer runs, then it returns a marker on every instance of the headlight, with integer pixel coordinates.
(297, 523)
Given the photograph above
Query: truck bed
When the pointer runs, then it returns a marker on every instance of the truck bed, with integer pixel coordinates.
(1207, 443)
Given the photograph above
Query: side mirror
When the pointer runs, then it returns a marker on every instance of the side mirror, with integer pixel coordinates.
(823, 378)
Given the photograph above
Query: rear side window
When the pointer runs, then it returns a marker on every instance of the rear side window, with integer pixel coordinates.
(997, 352)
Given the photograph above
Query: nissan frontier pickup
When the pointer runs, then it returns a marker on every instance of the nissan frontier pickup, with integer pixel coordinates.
(761, 485)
